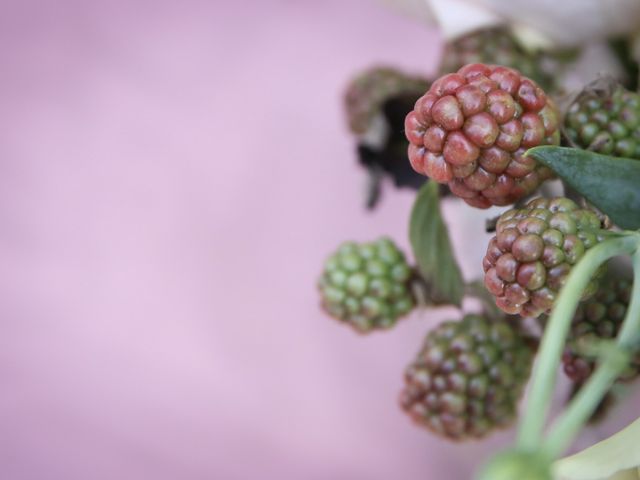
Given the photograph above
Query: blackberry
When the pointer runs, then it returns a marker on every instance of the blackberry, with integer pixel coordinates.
(595, 319)
(497, 46)
(468, 377)
(605, 118)
(534, 248)
(376, 103)
(367, 285)
(472, 128)
(367, 93)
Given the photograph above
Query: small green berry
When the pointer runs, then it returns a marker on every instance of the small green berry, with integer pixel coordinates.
(367, 285)
(606, 119)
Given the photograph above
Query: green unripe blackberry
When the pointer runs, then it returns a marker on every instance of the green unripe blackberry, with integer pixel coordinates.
(496, 46)
(367, 285)
(370, 90)
(598, 318)
(606, 119)
(468, 377)
(532, 253)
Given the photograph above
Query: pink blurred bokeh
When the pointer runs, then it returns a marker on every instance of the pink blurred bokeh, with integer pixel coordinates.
(172, 176)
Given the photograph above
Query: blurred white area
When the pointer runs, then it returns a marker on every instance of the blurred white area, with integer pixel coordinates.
(561, 23)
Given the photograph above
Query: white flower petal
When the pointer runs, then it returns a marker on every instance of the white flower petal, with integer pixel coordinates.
(595, 60)
(457, 17)
(415, 8)
(631, 474)
(605, 459)
(571, 22)
(565, 22)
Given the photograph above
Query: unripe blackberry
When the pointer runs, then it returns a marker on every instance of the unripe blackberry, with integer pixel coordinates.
(472, 128)
(371, 89)
(468, 377)
(367, 285)
(595, 319)
(534, 248)
(496, 46)
(606, 120)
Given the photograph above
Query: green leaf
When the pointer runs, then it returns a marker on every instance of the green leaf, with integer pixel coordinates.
(432, 250)
(617, 457)
(611, 184)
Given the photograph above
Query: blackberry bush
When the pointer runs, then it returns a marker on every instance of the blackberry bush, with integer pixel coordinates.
(490, 134)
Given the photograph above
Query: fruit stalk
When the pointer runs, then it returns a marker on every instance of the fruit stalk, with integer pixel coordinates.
(569, 423)
(551, 347)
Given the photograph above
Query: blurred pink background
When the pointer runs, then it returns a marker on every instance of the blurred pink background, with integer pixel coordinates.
(173, 175)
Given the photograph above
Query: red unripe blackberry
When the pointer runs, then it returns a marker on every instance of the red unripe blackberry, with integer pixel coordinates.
(598, 318)
(532, 253)
(472, 128)
(468, 377)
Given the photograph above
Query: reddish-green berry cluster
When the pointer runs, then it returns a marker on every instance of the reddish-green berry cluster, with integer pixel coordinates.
(367, 93)
(472, 128)
(534, 248)
(468, 377)
(367, 285)
(496, 46)
(598, 318)
(606, 120)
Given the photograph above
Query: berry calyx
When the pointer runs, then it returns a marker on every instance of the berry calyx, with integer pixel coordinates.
(512, 465)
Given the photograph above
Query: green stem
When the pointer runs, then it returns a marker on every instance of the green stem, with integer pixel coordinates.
(568, 424)
(630, 331)
(553, 340)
